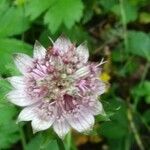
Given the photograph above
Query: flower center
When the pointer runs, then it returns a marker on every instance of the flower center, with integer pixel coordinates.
(55, 85)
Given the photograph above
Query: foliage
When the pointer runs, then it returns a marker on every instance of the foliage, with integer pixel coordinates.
(117, 30)
(9, 131)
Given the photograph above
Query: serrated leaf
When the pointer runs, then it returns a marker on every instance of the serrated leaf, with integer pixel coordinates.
(7, 48)
(139, 44)
(13, 20)
(35, 8)
(65, 12)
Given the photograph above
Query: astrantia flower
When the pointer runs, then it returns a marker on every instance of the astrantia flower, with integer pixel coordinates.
(58, 87)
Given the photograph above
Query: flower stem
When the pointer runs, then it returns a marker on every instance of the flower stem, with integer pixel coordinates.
(68, 140)
(145, 72)
(123, 16)
(23, 140)
(141, 82)
(134, 129)
(60, 144)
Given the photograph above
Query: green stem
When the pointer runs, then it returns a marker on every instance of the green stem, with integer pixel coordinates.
(144, 122)
(60, 144)
(68, 140)
(145, 72)
(134, 129)
(123, 16)
(127, 143)
(129, 112)
(132, 124)
(141, 82)
(23, 140)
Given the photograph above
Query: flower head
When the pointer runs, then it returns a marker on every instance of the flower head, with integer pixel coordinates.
(58, 87)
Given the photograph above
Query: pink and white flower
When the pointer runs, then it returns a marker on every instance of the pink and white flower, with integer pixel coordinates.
(58, 87)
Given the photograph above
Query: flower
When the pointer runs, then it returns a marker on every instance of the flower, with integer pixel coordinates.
(58, 87)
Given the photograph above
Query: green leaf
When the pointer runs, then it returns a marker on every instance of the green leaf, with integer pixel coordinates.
(35, 8)
(144, 17)
(13, 20)
(103, 117)
(4, 88)
(129, 68)
(7, 48)
(76, 34)
(131, 12)
(65, 12)
(139, 44)
(108, 4)
(9, 131)
(20, 2)
(146, 116)
(117, 126)
(34, 143)
(142, 90)
(113, 130)
(37, 143)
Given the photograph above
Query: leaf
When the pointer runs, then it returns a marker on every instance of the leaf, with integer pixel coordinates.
(7, 48)
(113, 130)
(37, 143)
(131, 12)
(65, 12)
(146, 116)
(4, 88)
(129, 68)
(9, 131)
(78, 34)
(34, 143)
(13, 20)
(35, 8)
(103, 117)
(117, 127)
(19, 2)
(144, 17)
(88, 11)
(139, 44)
(108, 4)
(142, 90)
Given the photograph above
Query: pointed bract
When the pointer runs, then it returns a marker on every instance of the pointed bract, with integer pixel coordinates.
(62, 44)
(28, 113)
(83, 71)
(23, 62)
(19, 98)
(39, 124)
(61, 127)
(82, 121)
(95, 107)
(17, 82)
(39, 51)
(83, 52)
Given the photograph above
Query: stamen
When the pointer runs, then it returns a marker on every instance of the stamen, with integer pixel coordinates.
(101, 62)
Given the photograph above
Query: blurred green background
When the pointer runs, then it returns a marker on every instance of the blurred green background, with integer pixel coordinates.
(117, 30)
